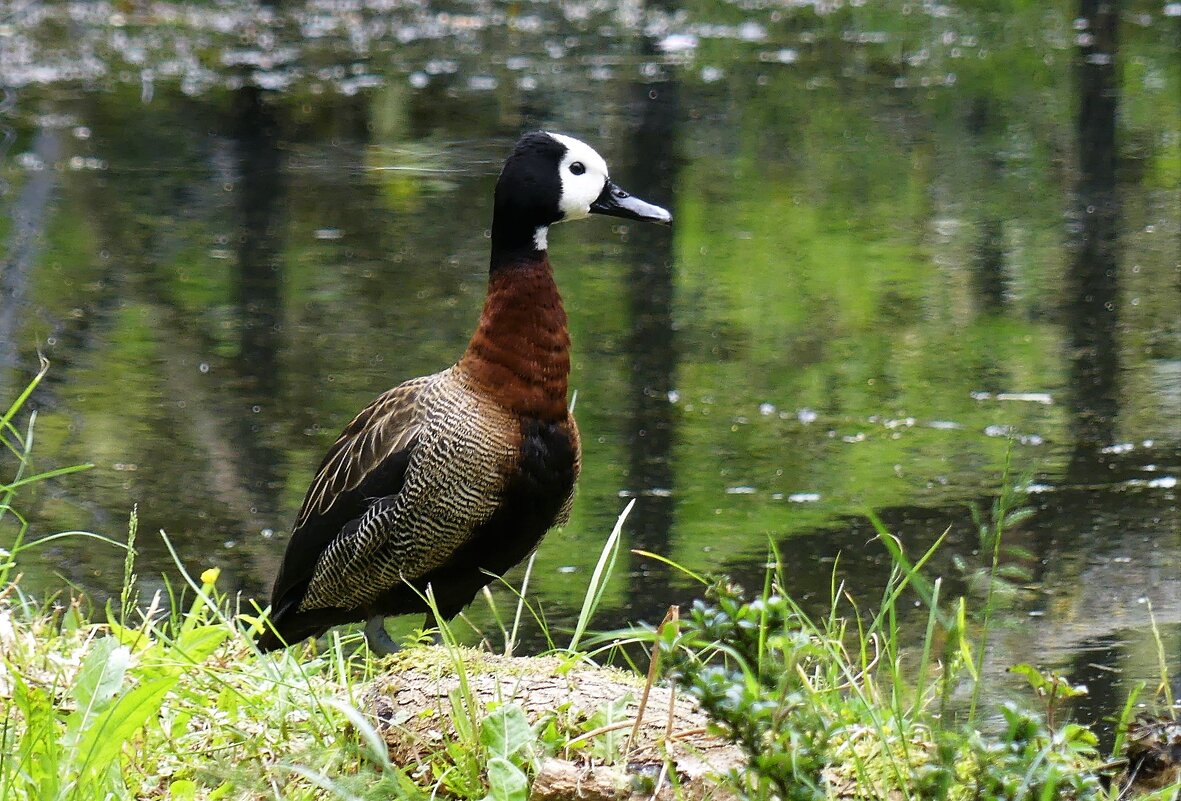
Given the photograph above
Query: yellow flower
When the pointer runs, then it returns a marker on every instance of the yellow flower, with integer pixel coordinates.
(210, 576)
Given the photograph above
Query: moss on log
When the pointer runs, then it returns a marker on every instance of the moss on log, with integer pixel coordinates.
(669, 752)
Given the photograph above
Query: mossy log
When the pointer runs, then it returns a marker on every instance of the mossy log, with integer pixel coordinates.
(669, 752)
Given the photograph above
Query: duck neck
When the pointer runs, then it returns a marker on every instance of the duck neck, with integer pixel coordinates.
(520, 352)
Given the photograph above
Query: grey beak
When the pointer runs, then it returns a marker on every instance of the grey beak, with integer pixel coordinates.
(615, 202)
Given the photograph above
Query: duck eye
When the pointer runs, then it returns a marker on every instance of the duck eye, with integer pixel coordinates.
(578, 168)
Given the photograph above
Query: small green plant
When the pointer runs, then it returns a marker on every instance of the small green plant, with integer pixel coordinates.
(822, 709)
(1050, 687)
(759, 692)
(511, 745)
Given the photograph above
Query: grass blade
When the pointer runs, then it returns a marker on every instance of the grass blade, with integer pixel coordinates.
(598, 582)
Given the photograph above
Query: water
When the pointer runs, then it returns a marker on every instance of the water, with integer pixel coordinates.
(912, 243)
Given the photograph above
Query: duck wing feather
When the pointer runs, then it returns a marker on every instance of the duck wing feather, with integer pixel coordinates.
(368, 460)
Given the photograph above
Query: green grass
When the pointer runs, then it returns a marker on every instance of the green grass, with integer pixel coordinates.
(168, 697)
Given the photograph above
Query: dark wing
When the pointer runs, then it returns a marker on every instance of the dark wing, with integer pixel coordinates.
(367, 461)
(575, 445)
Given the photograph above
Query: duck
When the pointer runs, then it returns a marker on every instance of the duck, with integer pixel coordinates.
(449, 480)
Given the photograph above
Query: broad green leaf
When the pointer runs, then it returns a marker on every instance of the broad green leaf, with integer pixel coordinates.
(102, 742)
(1036, 679)
(506, 731)
(182, 790)
(506, 782)
(1079, 738)
(101, 676)
(102, 673)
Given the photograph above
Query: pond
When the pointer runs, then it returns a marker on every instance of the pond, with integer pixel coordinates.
(922, 253)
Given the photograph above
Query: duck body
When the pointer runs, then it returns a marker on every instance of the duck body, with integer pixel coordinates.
(451, 479)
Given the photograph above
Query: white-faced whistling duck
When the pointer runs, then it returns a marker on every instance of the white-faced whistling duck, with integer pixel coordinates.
(452, 478)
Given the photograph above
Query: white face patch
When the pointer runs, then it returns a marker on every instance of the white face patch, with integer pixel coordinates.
(583, 174)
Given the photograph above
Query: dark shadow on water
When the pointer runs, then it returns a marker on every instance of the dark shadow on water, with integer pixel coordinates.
(651, 169)
(258, 283)
(1092, 294)
(256, 130)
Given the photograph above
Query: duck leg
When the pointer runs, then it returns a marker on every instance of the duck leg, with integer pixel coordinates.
(379, 641)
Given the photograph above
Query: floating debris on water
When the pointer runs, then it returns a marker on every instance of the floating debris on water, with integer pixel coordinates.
(677, 43)
(784, 56)
(803, 497)
(997, 430)
(1164, 482)
(740, 490)
(1027, 397)
(1122, 447)
(806, 416)
(1044, 398)
(945, 425)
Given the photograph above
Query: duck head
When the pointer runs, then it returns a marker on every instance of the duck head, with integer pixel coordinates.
(552, 178)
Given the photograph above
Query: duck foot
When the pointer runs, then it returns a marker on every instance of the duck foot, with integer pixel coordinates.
(380, 643)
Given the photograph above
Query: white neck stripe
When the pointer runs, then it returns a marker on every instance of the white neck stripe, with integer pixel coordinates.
(541, 237)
